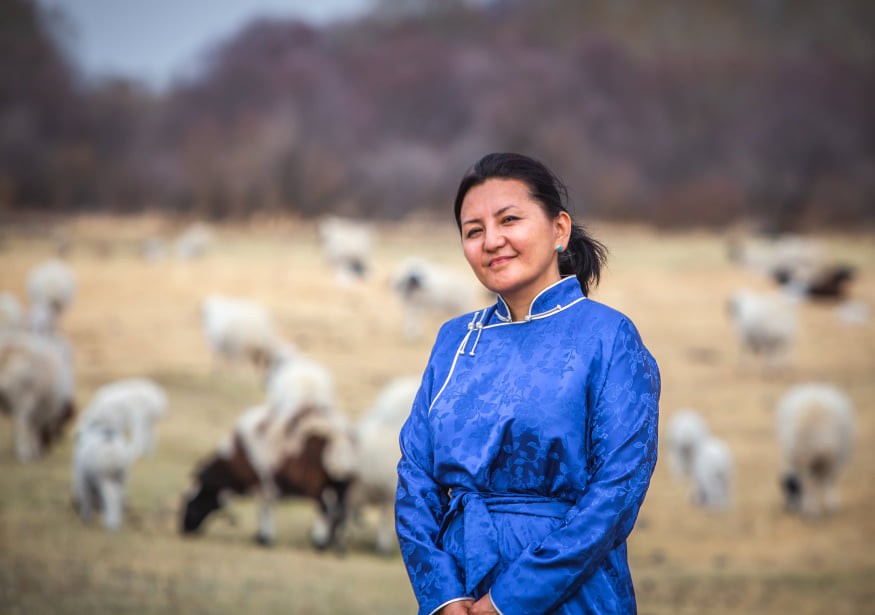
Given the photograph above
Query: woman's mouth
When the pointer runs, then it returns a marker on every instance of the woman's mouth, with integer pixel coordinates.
(500, 260)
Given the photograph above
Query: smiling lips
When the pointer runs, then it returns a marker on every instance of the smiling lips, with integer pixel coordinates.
(499, 260)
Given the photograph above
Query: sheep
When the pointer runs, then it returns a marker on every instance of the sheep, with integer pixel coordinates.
(766, 325)
(815, 427)
(36, 389)
(713, 474)
(827, 282)
(377, 454)
(686, 431)
(193, 242)
(102, 457)
(131, 406)
(239, 329)
(51, 287)
(423, 287)
(297, 382)
(11, 315)
(786, 252)
(112, 433)
(346, 246)
(304, 453)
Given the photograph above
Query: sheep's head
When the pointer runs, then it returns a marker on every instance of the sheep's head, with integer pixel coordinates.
(792, 489)
(197, 506)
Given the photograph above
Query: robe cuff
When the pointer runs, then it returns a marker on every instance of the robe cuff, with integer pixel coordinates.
(438, 608)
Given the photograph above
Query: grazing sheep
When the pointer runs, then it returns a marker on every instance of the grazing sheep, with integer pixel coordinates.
(347, 246)
(713, 474)
(102, 456)
(305, 453)
(827, 282)
(193, 242)
(10, 312)
(130, 406)
(238, 329)
(377, 454)
(766, 325)
(786, 252)
(815, 425)
(51, 287)
(36, 389)
(686, 431)
(425, 287)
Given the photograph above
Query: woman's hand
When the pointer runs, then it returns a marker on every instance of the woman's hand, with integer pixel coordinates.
(460, 607)
(483, 606)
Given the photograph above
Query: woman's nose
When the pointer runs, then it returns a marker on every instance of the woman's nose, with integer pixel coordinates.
(493, 238)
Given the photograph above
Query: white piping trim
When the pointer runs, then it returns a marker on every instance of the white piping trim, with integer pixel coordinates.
(459, 351)
(451, 601)
(494, 606)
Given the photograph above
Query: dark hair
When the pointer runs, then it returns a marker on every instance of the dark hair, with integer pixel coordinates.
(583, 257)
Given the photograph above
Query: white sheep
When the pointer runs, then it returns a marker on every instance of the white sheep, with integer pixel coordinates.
(713, 473)
(378, 453)
(766, 255)
(686, 430)
(102, 457)
(766, 325)
(815, 427)
(425, 287)
(346, 246)
(297, 382)
(36, 389)
(193, 242)
(51, 287)
(130, 406)
(239, 329)
(11, 314)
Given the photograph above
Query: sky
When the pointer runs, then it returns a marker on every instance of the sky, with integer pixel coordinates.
(154, 40)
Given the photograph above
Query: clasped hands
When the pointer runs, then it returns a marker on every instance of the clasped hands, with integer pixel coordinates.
(483, 606)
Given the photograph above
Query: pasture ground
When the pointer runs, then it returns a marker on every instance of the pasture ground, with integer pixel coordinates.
(136, 318)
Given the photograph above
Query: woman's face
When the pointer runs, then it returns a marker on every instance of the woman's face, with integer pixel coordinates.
(510, 242)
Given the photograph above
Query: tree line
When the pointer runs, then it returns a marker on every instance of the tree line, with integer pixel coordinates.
(672, 114)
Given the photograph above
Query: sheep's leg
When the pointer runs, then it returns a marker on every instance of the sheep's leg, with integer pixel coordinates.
(27, 441)
(320, 532)
(266, 529)
(112, 496)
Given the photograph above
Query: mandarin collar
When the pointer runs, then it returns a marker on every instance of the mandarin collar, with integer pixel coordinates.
(551, 299)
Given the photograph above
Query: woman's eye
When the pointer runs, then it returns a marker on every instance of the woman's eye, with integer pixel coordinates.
(507, 219)
(472, 232)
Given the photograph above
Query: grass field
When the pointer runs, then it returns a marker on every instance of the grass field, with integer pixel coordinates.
(134, 318)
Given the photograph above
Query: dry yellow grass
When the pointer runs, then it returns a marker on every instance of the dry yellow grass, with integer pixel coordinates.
(135, 318)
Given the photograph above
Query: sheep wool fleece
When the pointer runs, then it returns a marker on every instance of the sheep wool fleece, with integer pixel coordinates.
(526, 457)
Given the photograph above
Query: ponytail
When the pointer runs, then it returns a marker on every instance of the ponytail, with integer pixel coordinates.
(584, 257)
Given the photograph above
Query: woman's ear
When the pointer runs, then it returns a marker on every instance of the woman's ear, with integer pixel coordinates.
(562, 228)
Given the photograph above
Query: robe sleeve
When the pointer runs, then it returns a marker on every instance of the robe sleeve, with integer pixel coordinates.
(420, 503)
(622, 456)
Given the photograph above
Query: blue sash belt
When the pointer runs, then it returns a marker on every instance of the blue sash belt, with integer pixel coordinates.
(478, 530)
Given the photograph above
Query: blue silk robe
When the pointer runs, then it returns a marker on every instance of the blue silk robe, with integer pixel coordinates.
(526, 458)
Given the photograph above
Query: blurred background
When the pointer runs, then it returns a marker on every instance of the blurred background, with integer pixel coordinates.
(665, 112)
(298, 160)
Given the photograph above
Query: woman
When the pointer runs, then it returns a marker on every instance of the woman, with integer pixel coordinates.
(532, 438)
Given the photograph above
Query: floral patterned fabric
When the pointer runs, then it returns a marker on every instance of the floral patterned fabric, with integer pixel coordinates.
(526, 458)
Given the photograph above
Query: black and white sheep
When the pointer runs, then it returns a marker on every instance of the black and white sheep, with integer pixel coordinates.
(347, 246)
(36, 389)
(766, 325)
(425, 287)
(306, 453)
(815, 428)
